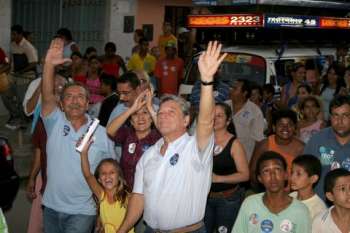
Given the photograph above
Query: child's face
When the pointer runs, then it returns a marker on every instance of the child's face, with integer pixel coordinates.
(310, 109)
(108, 176)
(340, 195)
(272, 175)
(300, 179)
(302, 93)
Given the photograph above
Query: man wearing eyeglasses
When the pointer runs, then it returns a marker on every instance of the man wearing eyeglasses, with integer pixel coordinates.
(332, 145)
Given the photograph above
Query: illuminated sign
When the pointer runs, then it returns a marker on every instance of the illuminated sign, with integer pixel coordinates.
(291, 21)
(340, 23)
(232, 20)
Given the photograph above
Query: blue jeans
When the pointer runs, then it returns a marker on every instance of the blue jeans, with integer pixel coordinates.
(221, 213)
(58, 222)
(150, 230)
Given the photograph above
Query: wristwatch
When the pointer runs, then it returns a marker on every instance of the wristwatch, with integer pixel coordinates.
(204, 83)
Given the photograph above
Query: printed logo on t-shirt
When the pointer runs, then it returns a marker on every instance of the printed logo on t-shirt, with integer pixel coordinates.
(346, 164)
(266, 226)
(173, 160)
(245, 114)
(327, 155)
(254, 219)
(286, 226)
(335, 165)
(66, 130)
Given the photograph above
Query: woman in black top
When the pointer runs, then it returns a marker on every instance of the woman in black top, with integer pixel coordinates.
(230, 168)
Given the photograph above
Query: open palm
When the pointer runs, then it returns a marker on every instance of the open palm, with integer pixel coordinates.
(209, 61)
(54, 55)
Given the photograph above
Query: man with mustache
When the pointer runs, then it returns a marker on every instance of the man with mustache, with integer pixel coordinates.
(67, 201)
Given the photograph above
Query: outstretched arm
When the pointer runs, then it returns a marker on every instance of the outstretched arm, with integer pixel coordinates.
(208, 64)
(89, 177)
(54, 57)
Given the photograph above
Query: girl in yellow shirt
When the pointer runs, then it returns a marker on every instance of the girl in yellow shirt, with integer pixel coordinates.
(110, 189)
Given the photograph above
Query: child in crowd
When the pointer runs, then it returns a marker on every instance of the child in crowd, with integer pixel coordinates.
(310, 109)
(109, 187)
(272, 211)
(93, 82)
(336, 219)
(303, 91)
(306, 171)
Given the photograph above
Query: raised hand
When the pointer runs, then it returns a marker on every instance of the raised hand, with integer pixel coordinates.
(210, 60)
(140, 101)
(54, 55)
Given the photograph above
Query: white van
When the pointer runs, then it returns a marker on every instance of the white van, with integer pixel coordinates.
(261, 65)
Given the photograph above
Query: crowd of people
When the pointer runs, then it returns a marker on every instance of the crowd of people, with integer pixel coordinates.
(237, 158)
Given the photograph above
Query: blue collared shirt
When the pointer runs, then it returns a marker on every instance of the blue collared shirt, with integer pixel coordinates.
(66, 190)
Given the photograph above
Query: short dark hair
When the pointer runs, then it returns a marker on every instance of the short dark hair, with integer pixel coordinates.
(255, 86)
(339, 101)
(309, 98)
(270, 155)
(111, 45)
(90, 50)
(139, 32)
(131, 78)
(269, 88)
(65, 32)
(93, 57)
(71, 84)
(332, 176)
(143, 40)
(109, 80)
(17, 28)
(310, 164)
(246, 87)
(76, 53)
(296, 66)
(284, 113)
(306, 87)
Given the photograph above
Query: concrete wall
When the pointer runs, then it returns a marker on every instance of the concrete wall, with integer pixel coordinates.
(152, 12)
(114, 28)
(5, 34)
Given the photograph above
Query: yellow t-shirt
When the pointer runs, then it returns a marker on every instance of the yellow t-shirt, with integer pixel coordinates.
(163, 40)
(137, 63)
(111, 215)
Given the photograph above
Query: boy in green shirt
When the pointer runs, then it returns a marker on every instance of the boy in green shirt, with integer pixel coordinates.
(273, 211)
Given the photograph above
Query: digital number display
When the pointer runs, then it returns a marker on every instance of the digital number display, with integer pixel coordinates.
(233, 20)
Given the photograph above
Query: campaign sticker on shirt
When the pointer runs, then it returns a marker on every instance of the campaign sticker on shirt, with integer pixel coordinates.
(217, 149)
(266, 226)
(173, 68)
(245, 114)
(66, 130)
(327, 155)
(254, 219)
(346, 164)
(145, 147)
(335, 165)
(286, 225)
(131, 148)
(173, 160)
(222, 229)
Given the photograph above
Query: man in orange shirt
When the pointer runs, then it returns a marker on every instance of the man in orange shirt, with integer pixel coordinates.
(169, 71)
(165, 38)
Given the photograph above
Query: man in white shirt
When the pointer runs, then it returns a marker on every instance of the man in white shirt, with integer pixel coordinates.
(247, 116)
(173, 177)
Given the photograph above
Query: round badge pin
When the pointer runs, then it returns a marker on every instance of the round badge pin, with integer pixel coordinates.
(286, 226)
(131, 148)
(266, 226)
(217, 149)
(66, 130)
(174, 159)
(253, 219)
(222, 229)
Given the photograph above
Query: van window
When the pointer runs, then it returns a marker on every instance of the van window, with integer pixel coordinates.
(235, 66)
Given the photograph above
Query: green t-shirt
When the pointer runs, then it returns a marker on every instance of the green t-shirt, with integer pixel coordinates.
(255, 217)
(3, 225)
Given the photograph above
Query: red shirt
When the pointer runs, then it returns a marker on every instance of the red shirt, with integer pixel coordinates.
(132, 150)
(2, 57)
(169, 73)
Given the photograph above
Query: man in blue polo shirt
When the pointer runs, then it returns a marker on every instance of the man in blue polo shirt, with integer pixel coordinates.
(68, 202)
(332, 145)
